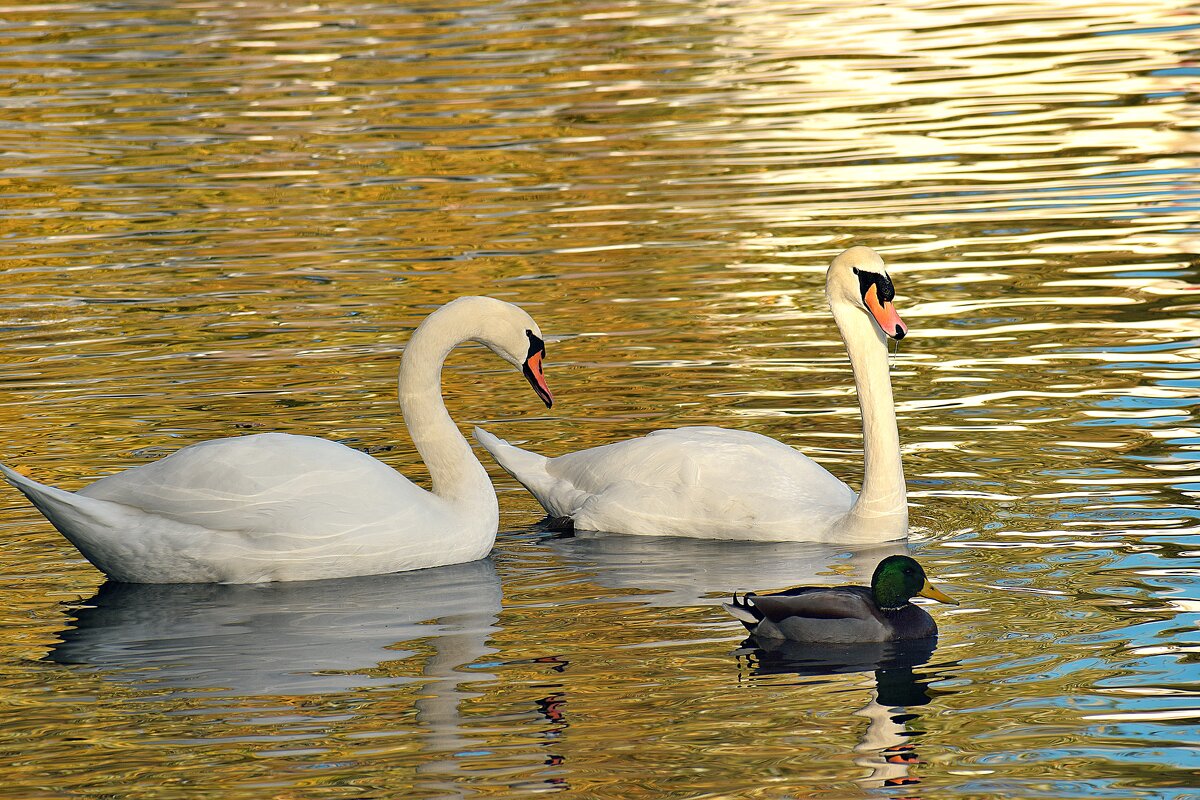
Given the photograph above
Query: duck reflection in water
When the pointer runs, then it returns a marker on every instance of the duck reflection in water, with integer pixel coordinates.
(887, 748)
(815, 630)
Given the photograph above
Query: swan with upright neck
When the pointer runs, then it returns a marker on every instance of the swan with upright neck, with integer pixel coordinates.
(281, 507)
(717, 483)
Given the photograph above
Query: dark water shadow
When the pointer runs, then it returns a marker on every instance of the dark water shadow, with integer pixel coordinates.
(310, 637)
(781, 657)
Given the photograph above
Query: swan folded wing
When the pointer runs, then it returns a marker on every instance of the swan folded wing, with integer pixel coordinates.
(707, 473)
(686, 456)
(271, 483)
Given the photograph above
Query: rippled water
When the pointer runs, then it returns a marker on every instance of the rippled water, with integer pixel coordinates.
(228, 216)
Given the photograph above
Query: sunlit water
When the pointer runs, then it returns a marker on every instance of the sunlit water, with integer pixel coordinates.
(222, 217)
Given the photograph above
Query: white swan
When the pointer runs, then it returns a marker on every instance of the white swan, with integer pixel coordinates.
(278, 507)
(716, 483)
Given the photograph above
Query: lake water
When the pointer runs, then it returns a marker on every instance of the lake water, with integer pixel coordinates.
(228, 217)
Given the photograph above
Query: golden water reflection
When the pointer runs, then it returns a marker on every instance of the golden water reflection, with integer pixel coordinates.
(228, 217)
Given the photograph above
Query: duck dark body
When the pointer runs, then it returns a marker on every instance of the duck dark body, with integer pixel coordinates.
(830, 614)
(845, 614)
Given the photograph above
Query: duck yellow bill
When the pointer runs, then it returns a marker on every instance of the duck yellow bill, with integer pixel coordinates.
(933, 594)
(885, 314)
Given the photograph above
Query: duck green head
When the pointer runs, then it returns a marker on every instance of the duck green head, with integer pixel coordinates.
(898, 579)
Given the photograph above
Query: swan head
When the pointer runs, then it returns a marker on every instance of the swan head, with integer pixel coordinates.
(509, 332)
(859, 278)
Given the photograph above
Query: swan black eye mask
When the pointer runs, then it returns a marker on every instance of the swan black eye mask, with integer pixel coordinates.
(532, 368)
(877, 294)
(884, 288)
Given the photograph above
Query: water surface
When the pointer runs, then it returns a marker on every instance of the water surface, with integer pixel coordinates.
(228, 217)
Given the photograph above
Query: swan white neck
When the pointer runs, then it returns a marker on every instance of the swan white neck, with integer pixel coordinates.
(882, 505)
(457, 475)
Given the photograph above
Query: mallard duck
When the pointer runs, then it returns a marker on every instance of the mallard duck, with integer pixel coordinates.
(846, 614)
(718, 483)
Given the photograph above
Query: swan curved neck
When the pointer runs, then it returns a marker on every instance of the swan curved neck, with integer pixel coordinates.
(457, 475)
(882, 505)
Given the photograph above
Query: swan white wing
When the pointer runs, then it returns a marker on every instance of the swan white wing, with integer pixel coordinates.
(702, 481)
(258, 508)
(269, 482)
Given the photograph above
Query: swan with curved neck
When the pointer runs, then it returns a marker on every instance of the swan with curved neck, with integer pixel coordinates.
(718, 483)
(280, 507)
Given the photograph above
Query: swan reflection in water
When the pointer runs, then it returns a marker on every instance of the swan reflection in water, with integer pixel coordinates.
(887, 747)
(689, 572)
(301, 639)
(315, 637)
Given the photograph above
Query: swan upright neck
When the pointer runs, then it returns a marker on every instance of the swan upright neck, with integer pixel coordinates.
(457, 475)
(882, 505)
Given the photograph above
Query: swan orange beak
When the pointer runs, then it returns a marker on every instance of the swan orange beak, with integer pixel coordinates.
(885, 314)
(532, 370)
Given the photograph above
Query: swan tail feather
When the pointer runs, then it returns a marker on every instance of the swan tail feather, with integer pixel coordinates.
(532, 470)
(37, 493)
(516, 462)
(87, 522)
